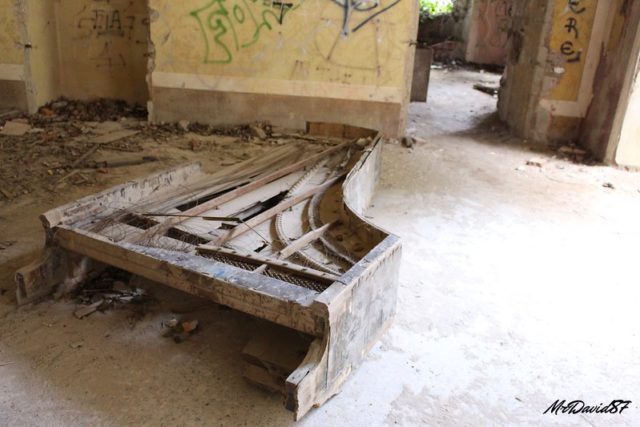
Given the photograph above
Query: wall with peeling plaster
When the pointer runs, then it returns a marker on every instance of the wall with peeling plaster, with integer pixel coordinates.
(104, 50)
(10, 34)
(301, 56)
(12, 78)
(613, 84)
(83, 49)
(521, 88)
(41, 52)
(555, 50)
(487, 31)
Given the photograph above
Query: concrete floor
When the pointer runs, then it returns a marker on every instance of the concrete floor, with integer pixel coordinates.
(519, 286)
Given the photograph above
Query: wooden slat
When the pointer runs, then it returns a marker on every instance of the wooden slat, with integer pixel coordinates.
(121, 196)
(268, 214)
(232, 176)
(254, 185)
(262, 378)
(303, 241)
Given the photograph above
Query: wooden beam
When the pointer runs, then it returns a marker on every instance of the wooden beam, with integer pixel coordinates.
(254, 185)
(259, 260)
(268, 214)
(265, 297)
(229, 177)
(303, 241)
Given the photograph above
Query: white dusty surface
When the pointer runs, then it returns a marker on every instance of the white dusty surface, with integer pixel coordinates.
(518, 287)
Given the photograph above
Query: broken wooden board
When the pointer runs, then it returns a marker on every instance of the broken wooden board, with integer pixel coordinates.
(282, 238)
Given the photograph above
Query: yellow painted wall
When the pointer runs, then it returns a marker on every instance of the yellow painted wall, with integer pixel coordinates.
(43, 77)
(570, 36)
(311, 41)
(10, 49)
(103, 48)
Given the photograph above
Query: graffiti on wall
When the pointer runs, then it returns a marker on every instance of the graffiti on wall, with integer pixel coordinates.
(360, 12)
(572, 26)
(106, 28)
(227, 29)
(359, 25)
(572, 32)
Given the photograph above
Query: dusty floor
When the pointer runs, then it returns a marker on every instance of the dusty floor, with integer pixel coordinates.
(518, 287)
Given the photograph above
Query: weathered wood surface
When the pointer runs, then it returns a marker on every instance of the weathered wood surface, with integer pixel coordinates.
(359, 308)
(244, 189)
(265, 297)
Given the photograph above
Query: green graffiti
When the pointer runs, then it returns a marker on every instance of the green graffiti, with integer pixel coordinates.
(223, 31)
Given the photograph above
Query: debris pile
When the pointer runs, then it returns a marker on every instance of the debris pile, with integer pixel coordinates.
(179, 330)
(488, 89)
(573, 153)
(98, 111)
(5, 244)
(76, 143)
(110, 290)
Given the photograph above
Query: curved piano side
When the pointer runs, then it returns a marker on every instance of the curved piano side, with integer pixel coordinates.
(359, 308)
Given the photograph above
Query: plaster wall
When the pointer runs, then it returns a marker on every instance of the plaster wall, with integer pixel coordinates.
(10, 45)
(522, 81)
(614, 82)
(555, 49)
(12, 78)
(41, 54)
(82, 49)
(103, 48)
(289, 61)
(488, 32)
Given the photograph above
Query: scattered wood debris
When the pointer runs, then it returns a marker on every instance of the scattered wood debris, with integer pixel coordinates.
(88, 309)
(184, 125)
(121, 161)
(179, 331)
(537, 162)
(566, 149)
(490, 90)
(258, 132)
(9, 114)
(408, 141)
(110, 290)
(68, 145)
(113, 136)
(15, 128)
(574, 153)
(4, 244)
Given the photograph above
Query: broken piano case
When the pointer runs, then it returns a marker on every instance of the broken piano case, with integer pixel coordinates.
(282, 238)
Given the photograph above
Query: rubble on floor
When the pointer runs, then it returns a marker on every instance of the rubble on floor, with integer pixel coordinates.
(74, 143)
(488, 89)
(179, 330)
(112, 289)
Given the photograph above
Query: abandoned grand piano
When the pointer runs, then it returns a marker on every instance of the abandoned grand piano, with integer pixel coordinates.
(282, 238)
